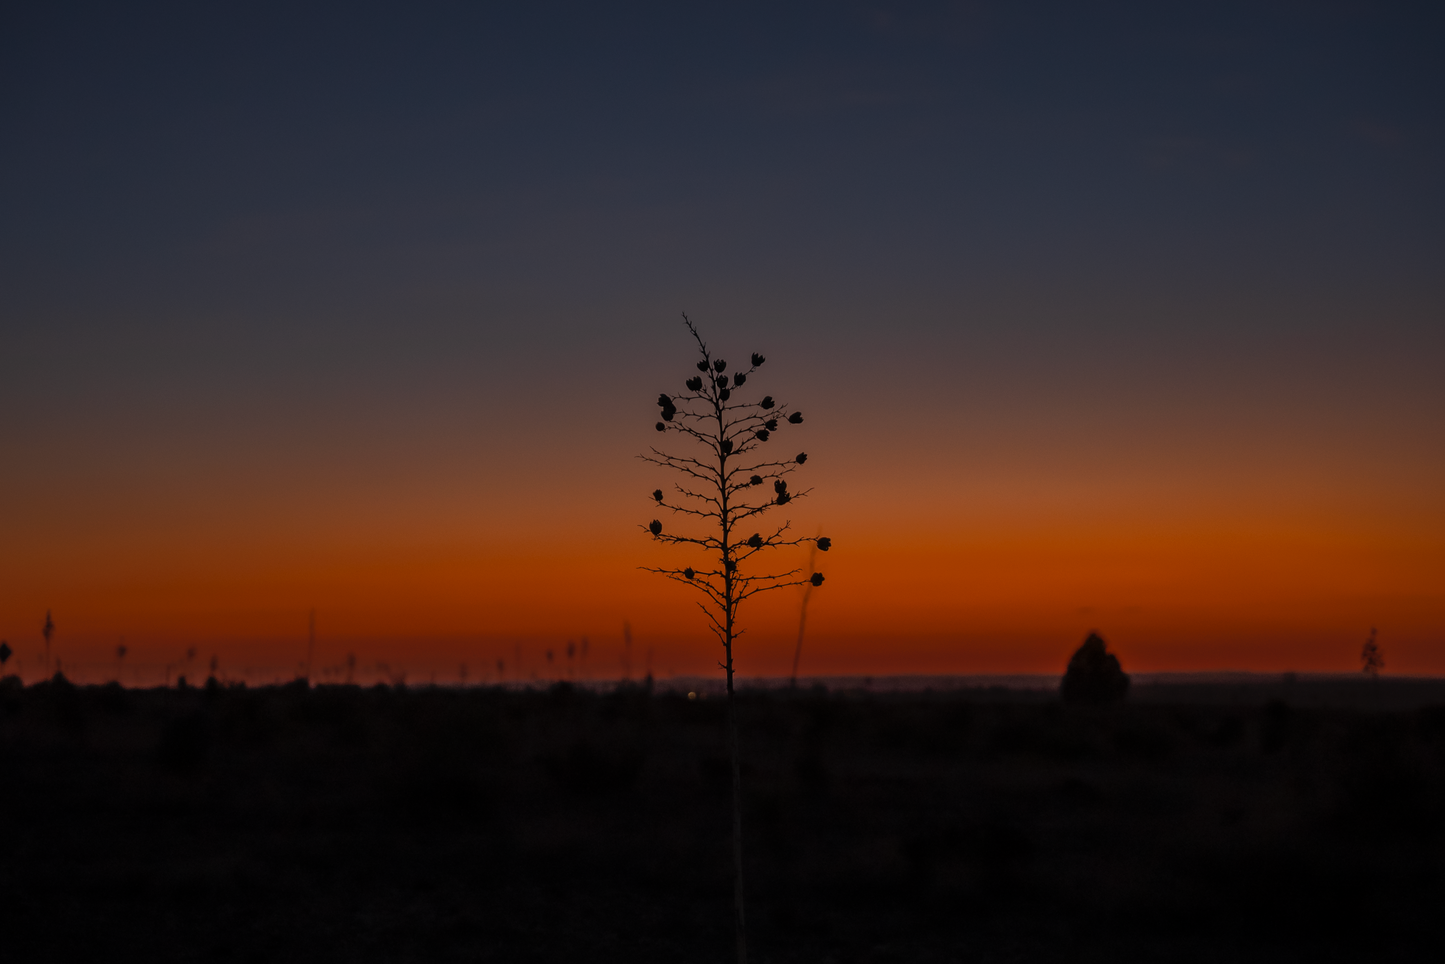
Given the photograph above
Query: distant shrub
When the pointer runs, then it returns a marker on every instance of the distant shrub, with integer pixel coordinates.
(1094, 675)
(1372, 659)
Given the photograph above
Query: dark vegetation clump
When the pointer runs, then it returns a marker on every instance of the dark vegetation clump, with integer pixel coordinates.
(304, 823)
(1094, 675)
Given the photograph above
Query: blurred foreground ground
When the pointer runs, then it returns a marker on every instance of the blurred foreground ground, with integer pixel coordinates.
(336, 823)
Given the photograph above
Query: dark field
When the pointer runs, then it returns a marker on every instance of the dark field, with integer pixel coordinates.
(435, 825)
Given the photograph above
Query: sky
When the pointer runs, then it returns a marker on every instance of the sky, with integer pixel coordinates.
(1115, 317)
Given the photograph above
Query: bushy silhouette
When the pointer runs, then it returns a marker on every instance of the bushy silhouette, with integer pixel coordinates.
(1094, 674)
(1372, 659)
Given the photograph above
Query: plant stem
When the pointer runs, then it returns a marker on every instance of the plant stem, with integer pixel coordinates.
(739, 919)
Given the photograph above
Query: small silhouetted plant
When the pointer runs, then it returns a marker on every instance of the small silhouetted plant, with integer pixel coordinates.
(47, 632)
(803, 614)
(1372, 658)
(5, 653)
(724, 492)
(310, 642)
(1094, 674)
(627, 649)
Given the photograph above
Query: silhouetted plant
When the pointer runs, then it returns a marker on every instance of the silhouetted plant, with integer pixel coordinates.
(310, 642)
(822, 543)
(627, 635)
(5, 653)
(1372, 659)
(728, 436)
(1094, 675)
(47, 632)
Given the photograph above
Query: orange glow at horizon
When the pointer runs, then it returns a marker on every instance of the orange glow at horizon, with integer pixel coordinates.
(1191, 537)
(994, 591)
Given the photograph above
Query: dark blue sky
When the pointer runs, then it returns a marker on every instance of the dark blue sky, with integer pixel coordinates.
(168, 160)
(190, 190)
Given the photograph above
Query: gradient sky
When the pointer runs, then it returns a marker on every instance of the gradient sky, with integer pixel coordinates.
(1122, 318)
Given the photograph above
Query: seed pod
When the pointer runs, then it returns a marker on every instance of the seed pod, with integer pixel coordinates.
(661, 427)
(780, 485)
(665, 401)
(783, 498)
(655, 527)
(722, 381)
(802, 457)
(727, 446)
(817, 579)
(758, 359)
(796, 418)
(694, 384)
(720, 365)
(767, 402)
(668, 413)
(739, 378)
(770, 424)
(688, 573)
(724, 395)
(825, 543)
(702, 366)
(756, 480)
(755, 540)
(657, 494)
(762, 435)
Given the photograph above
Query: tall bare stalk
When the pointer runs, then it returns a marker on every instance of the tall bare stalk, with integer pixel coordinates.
(802, 622)
(716, 494)
(47, 632)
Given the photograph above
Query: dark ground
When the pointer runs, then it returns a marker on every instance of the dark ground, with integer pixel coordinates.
(435, 825)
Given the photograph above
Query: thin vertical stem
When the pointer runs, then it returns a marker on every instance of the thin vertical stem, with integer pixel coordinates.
(739, 918)
(802, 620)
(740, 923)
